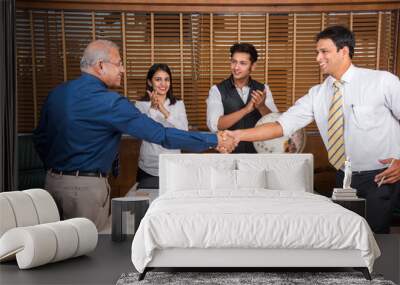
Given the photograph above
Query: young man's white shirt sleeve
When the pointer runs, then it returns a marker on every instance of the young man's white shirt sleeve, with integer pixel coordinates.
(215, 109)
(391, 85)
(297, 116)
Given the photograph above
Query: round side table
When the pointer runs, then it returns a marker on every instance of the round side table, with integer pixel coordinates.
(136, 205)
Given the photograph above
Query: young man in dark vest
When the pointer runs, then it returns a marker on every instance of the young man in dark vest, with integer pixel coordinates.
(239, 102)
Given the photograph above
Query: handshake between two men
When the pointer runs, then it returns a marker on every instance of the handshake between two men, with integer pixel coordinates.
(227, 141)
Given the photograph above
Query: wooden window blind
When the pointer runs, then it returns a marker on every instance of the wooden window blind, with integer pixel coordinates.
(78, 32)
(26, 92)
(139, 52)
(196, 46)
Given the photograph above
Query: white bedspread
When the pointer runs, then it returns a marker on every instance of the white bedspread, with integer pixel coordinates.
(250, 219)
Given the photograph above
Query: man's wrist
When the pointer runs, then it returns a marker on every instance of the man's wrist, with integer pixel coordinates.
(213, 140)
(238, 134)
(261, 105)
(262, 108)
(247, 110)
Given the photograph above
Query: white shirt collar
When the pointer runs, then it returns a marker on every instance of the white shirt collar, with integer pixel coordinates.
(349, 74)
(346, 77)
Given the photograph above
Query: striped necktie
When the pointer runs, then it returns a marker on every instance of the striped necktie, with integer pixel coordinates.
(336, 152)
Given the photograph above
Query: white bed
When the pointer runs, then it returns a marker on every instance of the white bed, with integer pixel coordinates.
(247, 210)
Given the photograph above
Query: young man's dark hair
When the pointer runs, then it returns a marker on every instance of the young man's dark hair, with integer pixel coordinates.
(341, 36)
(246, 48)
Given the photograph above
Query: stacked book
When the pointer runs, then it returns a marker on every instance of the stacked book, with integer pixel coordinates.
(344, 194)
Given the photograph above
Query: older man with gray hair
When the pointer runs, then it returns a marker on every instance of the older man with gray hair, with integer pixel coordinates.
(80, 130)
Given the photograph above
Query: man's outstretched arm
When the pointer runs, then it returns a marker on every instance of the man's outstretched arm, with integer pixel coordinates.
(260, 133)
(128, 119)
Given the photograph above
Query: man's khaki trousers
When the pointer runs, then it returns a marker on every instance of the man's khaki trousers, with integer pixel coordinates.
(80, 196)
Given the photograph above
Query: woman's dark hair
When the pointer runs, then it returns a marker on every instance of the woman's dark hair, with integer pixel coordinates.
(153, 69)
(246, 48)
(341, 37)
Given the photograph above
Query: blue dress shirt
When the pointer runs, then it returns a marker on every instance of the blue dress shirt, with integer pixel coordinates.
(82, 122)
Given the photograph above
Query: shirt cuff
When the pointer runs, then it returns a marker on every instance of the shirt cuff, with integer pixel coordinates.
(286, 130)
(212, 140)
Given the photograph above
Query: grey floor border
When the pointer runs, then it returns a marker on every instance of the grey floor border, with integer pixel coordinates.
(111, 259)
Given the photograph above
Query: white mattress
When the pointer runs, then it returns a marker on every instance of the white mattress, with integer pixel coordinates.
(253, 218)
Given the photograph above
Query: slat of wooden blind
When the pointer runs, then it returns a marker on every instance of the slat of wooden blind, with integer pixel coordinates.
(338, 19)
(152, 37)
(396, 44)
(294, 59)
(253, 31)
(211, 48)
(323, 19)
(225, 34)
(266, 47)
(193, 37)
(108, 26)
(48, 48)
(64, 51)
(167, 46)
(239, 26)
(378, 40)
(279, 62)
(24, 68)
(139, 52)
(394, 38)
(123, 24)
(195, 95)
(351, 21)
(388, 41)
(34, 89)
(307, 70)
(365, 28)
(78, 34)
(189, 70)
(93, 25)
(181, 54)
(191, 62)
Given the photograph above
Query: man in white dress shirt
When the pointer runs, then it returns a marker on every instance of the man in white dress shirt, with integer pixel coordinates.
(370, 114)
(238, 102)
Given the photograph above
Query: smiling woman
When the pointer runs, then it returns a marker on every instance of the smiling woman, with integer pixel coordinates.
(160, 104)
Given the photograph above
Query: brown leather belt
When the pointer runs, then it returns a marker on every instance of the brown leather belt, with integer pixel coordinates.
(367, 172)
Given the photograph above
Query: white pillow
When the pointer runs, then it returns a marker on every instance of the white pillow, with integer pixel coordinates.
(223, 179)
(227, 179)
(251, 178)
(195, 174)
(184, 177)
(282, 174)
(295, 180)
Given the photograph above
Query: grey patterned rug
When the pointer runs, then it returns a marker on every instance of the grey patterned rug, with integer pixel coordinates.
(243, 278)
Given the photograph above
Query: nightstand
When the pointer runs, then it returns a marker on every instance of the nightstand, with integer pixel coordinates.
(127, 212)
(357, 205)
